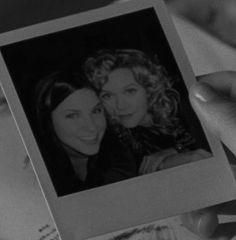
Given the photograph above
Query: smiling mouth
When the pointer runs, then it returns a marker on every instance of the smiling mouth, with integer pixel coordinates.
(125, 116)
(90, 140)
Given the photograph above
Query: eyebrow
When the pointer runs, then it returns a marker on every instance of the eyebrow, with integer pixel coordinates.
(97, 105)
(126, 86)
(71, 110)
(131, 85)
(104, 91)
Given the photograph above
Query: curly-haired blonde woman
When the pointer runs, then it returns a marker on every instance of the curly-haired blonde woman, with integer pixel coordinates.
(142, 108)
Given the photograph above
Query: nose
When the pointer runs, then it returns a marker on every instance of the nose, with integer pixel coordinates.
(120, 103)
(89, 125)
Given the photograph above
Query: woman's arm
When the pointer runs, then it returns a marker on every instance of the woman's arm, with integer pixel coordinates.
(169, 158)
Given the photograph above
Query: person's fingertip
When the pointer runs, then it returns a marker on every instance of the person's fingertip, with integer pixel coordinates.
(201, 222)
(207, 225)
(187, 221)
(203, 92)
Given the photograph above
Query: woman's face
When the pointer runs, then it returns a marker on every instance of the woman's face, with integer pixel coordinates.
(124, 98)
(79, 121)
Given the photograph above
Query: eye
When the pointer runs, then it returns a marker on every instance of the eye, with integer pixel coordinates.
(105, 96)
(131, 91)
(98, 110)
(72, 115)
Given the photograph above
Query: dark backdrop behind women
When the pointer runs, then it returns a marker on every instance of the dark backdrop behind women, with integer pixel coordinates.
(20, 13)
(32, 59)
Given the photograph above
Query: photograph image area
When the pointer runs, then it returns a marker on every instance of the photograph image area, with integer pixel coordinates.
(106, 102)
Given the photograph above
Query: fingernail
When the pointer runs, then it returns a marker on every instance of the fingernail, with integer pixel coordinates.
(206, 226)
(204, 92)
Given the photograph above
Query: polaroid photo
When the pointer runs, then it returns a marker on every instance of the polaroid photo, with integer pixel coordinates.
(101, 102)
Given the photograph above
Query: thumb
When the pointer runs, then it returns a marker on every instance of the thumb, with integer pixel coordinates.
(217, 111)
(202, 222)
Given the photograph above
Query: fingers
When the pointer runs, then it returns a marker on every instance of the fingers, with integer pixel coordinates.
(178, 159)
(214, 100)
(217, 110)
(222, 82)
(228, 208)
(151, 163)
(225, 231)
(202, 222)
(170, 158)
(183, 158)
(233, 168)
(142, 168)
(205, 222)
(203, 153)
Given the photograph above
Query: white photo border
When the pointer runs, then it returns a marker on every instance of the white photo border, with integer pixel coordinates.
(134, 201)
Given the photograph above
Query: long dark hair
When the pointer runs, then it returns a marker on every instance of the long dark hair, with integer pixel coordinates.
(49, 93)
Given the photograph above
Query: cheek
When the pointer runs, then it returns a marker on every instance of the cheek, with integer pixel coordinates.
(140, 101)
(63, 130)
(109, 109)
(144, 98)
(101, 124)
(109, 104)
(61, 133)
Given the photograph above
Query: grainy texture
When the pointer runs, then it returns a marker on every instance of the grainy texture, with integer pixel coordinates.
(215, 16)
(15, 14)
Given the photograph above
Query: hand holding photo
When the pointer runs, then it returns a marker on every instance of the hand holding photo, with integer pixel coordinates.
(101, 102)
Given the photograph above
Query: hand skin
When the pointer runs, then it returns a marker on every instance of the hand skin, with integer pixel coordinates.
(214, 99)
(152, 163)
(169, 158)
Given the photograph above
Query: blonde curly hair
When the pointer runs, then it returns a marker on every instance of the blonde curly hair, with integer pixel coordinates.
(163, 99)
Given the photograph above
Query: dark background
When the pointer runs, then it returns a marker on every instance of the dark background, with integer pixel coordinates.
(30, 60)
(20, 13)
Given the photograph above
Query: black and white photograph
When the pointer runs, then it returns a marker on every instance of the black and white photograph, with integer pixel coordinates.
(102, 105)
(105, 102)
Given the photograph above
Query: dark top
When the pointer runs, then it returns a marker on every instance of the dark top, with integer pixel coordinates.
(145, 141)
(113, 163)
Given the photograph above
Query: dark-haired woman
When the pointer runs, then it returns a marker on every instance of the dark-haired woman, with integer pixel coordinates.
(79, 151)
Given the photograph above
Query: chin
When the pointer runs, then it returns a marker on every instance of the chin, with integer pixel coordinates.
(92, 150)
(129, 124)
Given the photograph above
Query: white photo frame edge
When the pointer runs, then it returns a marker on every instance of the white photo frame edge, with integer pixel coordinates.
(73, 217)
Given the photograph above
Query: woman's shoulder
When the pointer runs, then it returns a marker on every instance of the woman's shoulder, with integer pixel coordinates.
(115, 151)
(110, 138)
(118, 161)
